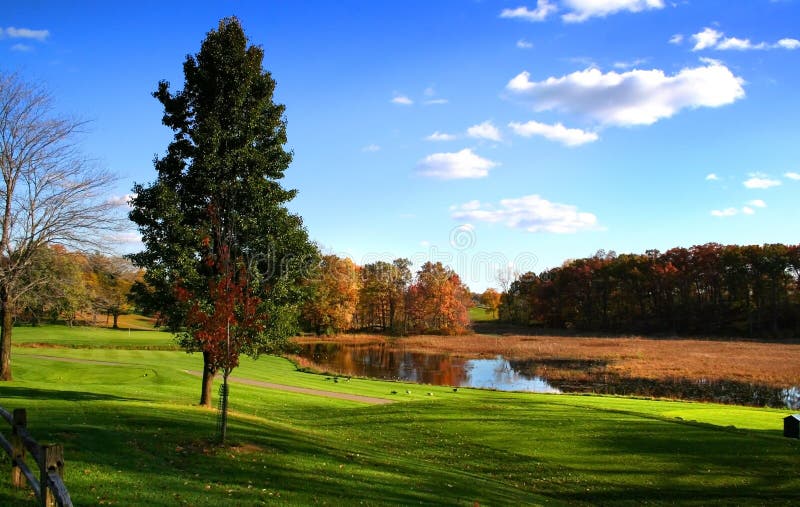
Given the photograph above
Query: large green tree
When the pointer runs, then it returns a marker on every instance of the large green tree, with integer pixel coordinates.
(214, 223)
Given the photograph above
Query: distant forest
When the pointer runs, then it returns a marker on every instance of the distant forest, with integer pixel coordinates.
(709, 289)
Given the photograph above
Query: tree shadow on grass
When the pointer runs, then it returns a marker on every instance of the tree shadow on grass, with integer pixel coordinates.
(165, 456)
(31, 393)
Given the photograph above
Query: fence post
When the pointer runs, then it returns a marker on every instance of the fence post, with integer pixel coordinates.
(52, 460)
(20, 419)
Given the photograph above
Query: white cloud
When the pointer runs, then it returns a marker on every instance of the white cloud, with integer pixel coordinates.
(789, 43)
(523, 44)
(757, 203)
(792, 176)
(25, 33)
(543, 9)
(530, 213)
(727, 212)
(581, 10)
(371, 148)
(127, 237)
(458, 165)
(637, 97)
(557, 132)
(436, 101)
(22, 48)
(714, 39)
(485, 130)
(706, 39)
(747, 210)
(676, 39)
(402, 100)
(440, 136)
(712, 177)
(739, 44)
(761, 181)
(120, 200)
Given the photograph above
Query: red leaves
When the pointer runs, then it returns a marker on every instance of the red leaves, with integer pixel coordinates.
(225, 317)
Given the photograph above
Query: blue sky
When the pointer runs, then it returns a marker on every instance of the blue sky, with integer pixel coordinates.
(490, 135)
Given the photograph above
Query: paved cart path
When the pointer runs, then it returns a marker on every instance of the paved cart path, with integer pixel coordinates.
(304, 390)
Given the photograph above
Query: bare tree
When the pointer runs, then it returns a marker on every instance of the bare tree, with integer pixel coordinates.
(50, 194)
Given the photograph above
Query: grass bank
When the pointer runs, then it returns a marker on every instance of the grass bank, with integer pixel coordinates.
(132, 436)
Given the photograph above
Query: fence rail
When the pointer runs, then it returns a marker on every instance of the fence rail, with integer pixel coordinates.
(48, 486)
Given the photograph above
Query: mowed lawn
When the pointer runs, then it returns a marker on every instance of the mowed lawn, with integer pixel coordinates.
(134, 436)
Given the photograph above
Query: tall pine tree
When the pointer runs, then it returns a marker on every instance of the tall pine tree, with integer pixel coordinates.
(215, 219)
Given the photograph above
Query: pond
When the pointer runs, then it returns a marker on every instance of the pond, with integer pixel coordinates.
(391, 362)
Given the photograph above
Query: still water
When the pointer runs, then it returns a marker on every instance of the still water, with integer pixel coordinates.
(385, 361)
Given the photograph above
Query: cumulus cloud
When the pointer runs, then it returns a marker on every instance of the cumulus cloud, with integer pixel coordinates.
(523, 44)
(440, 136)
(676, 39)
(557, 132)
(789, 43)
(727, 212)
(458, 165)
(581, 10)
(761, 181)
(485, 130)
(747, 209)
(706, 39)
(371, 148)
(543, 9)
(25, 33)
(637, 97)
(710, 38)
(530, 213)
(402, 100)
(792, 176)
(712, 177)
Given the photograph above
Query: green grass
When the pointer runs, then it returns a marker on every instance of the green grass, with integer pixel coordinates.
(92, 337)
(480, 314)
(133, 436)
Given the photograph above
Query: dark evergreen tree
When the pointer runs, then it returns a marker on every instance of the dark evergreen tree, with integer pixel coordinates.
(217, 210)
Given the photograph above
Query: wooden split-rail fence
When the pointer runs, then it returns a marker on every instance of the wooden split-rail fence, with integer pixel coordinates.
(48, 485)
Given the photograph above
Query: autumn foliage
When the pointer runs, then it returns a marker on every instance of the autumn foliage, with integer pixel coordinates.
(226, 319)
(384, 296)
(706, 289)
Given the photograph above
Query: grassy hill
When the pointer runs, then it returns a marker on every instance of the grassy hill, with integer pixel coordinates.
(133, 436)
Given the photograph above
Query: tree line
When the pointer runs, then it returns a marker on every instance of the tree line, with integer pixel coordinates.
(72, 286)
(386, 297)
(709, 289)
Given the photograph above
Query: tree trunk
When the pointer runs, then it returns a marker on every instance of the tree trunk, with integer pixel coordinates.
(116, 319)
(7, 322)
(208, 381)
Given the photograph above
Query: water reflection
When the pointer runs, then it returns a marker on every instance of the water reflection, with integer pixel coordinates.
(384, 361)
(499, 374)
